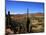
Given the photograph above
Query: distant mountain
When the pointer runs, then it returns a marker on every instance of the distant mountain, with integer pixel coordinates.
(21, 16)
(38, 14)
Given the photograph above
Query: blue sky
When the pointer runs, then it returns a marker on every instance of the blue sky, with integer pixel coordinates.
(20, 7)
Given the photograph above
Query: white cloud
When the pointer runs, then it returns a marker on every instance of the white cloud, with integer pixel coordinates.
(15, 13)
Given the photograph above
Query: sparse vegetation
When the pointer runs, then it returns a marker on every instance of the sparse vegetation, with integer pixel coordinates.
(36, 22)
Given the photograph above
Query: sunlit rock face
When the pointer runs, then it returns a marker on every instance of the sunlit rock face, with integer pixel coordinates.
(38, 24)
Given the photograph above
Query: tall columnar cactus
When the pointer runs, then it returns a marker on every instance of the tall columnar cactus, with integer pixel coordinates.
(9, 18)
(28, 20)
